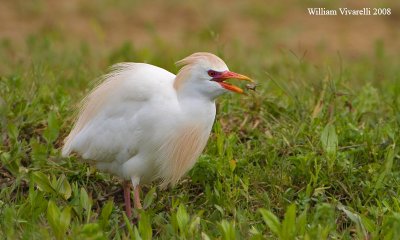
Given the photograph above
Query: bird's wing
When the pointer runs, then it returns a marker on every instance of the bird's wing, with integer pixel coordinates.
(121, 93)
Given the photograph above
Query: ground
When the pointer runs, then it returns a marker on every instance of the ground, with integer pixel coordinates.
(311, 154)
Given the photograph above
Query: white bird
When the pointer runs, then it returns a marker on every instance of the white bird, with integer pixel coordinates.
(143, 123)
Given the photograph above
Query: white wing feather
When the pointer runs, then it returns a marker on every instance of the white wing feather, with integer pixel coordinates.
(107, 128)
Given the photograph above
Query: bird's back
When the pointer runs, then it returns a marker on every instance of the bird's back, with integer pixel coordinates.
(122, 94)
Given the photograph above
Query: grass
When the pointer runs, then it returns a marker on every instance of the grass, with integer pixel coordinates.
(311, 154)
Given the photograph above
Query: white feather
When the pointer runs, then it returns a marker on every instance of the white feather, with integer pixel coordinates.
(136, 125)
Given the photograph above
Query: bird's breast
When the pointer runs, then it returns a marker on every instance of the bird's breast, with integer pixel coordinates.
(180, 151)
(185, 142)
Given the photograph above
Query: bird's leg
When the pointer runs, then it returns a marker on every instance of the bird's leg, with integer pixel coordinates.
(136, 197)
(136, 192)
(127, 198)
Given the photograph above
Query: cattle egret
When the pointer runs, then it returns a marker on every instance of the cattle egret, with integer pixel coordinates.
(143, 123)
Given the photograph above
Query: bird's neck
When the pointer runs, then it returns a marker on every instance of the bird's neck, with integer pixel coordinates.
(197, 105)
(199, 100)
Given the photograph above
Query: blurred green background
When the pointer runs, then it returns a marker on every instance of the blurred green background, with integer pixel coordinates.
(258, 27)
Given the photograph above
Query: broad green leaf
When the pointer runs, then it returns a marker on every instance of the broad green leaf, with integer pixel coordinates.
(391, 226)
(228, 230)
(148, 199)
(129, 226)
(220, 138)
(42, 182)
(136, 234)
(194, 225)
(13, 131)
(85, 200)
(232, 164)
(220, 209)
(301, 223)
(8, 216)
(255, 234)
(145, 229)
(39, 153)
(53, 217)
(288, 230)
(92, 231)
(271, 220)
(105, 213)
(65, 219)
(204, 236)
(63, 187)
(387, 167)
(369, 224)
(354, 217)
(182, 218)
(53, 127)
(329, 139)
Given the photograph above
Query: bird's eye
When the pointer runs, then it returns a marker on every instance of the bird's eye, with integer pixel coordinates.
(212, 73)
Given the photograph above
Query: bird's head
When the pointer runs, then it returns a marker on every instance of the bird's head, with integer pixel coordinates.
(206, 74)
